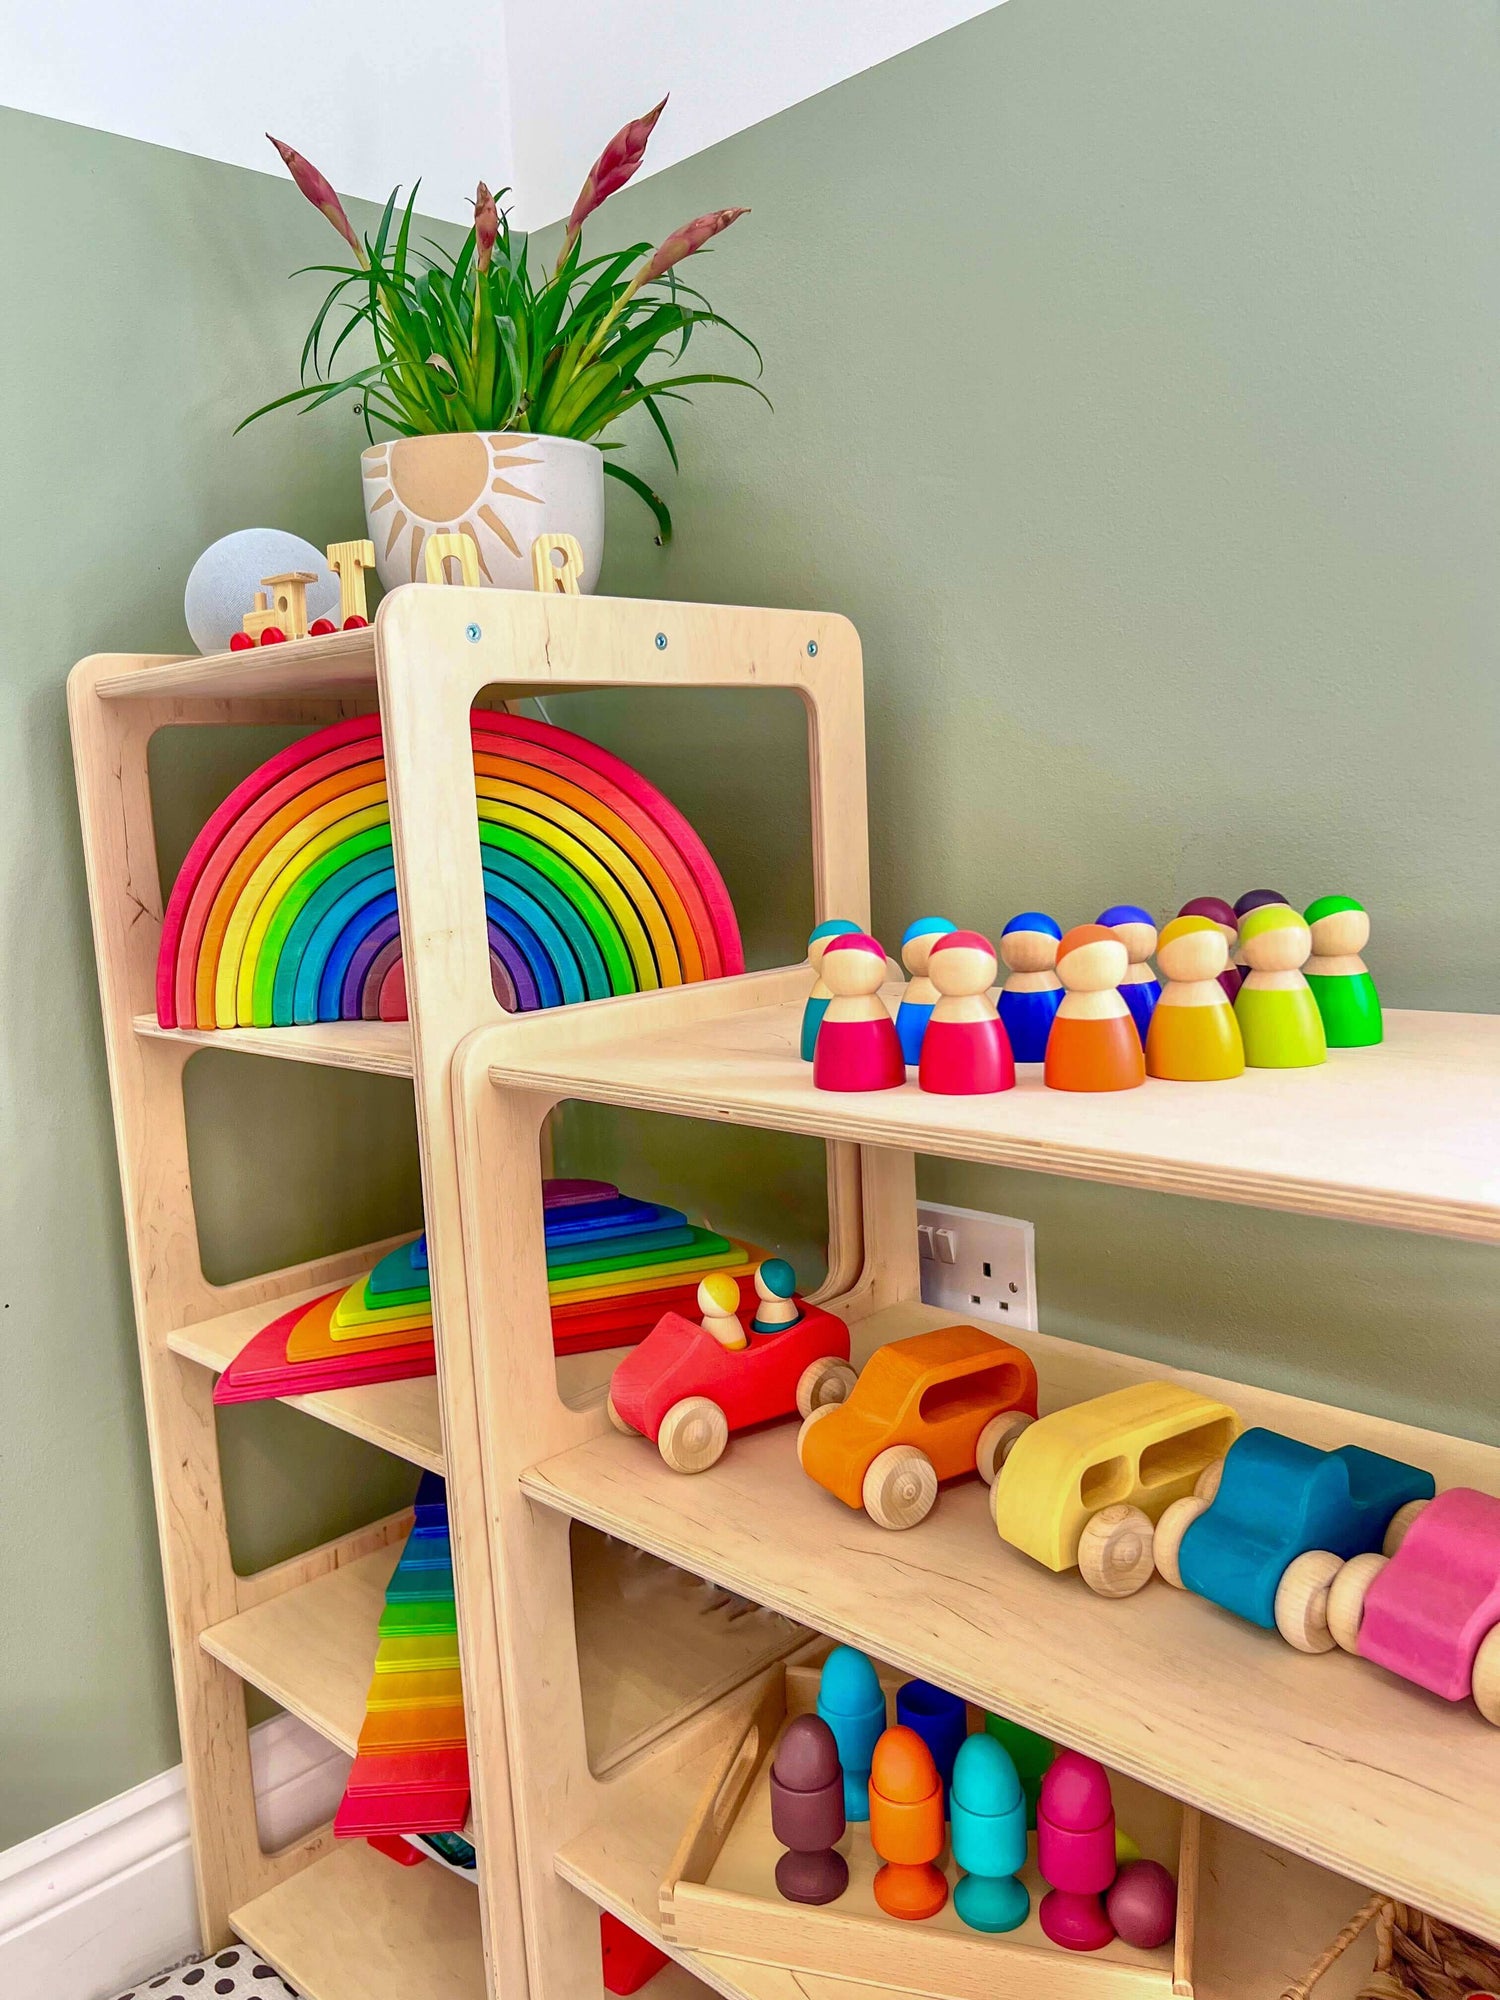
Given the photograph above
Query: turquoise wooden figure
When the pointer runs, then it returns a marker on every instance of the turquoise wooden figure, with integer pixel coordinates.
(987, 1814)
(1339, 978)
(776, 1297)
(818, 1000)
(852, 1702)
(1278, 1499)
(921, 996)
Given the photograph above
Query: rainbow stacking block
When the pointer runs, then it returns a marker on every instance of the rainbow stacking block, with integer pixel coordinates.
(284, 911)
(614, 1266)
(411, 1767)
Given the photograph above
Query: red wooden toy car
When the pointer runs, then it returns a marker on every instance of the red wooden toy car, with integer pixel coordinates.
(686, 1392)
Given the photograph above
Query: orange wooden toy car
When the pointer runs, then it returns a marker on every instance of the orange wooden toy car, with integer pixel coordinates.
(928, 1408)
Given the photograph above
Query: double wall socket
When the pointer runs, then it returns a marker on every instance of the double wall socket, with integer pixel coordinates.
(977, 1265)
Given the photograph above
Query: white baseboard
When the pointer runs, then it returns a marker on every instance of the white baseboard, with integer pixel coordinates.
(107, 1898)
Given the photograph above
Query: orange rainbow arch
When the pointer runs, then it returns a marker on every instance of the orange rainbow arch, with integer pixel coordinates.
(285, 909)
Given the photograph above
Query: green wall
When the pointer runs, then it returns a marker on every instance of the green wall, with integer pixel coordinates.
(1135, 383)
(146, 310)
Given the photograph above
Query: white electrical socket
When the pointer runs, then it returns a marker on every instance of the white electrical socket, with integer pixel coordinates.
(977, 1264)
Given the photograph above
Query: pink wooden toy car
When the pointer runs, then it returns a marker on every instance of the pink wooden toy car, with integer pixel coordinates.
(1429, 1609)
(687, 1391)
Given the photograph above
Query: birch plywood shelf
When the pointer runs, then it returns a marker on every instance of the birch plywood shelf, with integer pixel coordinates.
(1406, 1135)
(657, 1645)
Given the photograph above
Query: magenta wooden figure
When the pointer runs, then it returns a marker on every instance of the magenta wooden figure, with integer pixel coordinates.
(1075, 1835)
(965, 1051)
(857, 1046)
(1221, 913)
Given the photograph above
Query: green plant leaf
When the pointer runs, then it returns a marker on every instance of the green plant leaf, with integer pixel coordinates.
(652, 499)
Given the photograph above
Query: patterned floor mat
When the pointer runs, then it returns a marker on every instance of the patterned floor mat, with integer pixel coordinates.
(235, 1974)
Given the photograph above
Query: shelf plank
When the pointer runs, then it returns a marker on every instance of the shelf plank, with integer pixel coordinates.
(1326, 1756)
(657, 1645)
(1406, 1135)
(1263, 1917)
(355, 1926)
(339, 663)
(382, 1048)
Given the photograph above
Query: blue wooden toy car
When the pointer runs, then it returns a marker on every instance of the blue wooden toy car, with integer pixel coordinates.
(1279, 1500)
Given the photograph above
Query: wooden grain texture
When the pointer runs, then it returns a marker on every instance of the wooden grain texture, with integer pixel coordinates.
(1326, 1756)
(1406, 1134)
(381, 1048)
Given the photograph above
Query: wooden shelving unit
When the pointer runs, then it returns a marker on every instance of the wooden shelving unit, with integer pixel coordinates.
(343, 1922)
(1340, 1767)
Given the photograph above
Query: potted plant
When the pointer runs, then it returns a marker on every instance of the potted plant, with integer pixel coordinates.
(497, 381)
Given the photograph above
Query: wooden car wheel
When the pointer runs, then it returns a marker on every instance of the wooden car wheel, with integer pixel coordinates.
(1346, 1598)
(1484, 1682)
(823, 1383)
(1302, 1600)
(900, 1487)
(1114, 1551)
(616, 1420)
(813, 1417)
(1400, 1521)
(693, 1434)
(995, 1442)
(1166, 1543)
(1206, 1486)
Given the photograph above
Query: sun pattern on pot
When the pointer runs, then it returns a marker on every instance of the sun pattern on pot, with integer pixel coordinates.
(285, 910)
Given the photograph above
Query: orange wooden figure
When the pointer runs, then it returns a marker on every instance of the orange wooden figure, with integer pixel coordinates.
(906, 1826)
(1094, 1043)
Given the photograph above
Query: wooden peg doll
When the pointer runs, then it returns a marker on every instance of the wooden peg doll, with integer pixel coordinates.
(1222, 915)
(987, 1808)
(1253, 899)
(920, 997)
(857, 1046)
(965, 1052)
(906, 1826)
(775, 1291)
(807, 1813)
(719, 1304)
(1032, 992)
(1075, 1851)
(1093, 1044)
(1278, 1016)
(1339, 978)
(1140, 989)
(816, 1005)
(1194, 1036)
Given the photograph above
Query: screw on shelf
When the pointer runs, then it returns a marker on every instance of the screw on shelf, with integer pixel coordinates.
(812, 649)
(661, 642)
(473, 634)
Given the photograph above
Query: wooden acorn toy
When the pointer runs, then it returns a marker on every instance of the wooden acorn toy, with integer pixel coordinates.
(1140, 989)
(920, 997)
(776, 1293)
(1194, 1036)
(987, 1809)
(1339, 978)
(852, 1702)
(965, 1051)
(816, 1005)
(1278, 1016)
(1075, 1851)
(1032, 993)
(719, 1305)
(1093, 1044)
(906, 1826)
(1221, 915)
(857, 1046)
(807, 1813)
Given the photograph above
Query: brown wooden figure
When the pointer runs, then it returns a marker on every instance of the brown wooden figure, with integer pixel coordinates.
(807, 1812)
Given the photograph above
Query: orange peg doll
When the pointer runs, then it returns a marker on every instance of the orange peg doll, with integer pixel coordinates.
(1094, 1043)
(906, 1823)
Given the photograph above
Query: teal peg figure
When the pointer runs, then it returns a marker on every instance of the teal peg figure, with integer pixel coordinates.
(852, 1702)
(817, 1002)
(987, 1810)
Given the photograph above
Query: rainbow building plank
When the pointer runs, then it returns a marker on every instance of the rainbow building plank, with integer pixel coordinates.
(284, 911)
(411, 1765)
(615, 1266)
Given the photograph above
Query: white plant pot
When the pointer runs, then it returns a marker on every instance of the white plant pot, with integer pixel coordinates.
(502, 488)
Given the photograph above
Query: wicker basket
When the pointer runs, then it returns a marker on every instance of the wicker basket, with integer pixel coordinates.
(1416, 1957)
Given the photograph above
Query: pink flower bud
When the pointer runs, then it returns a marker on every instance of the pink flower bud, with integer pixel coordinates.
(683, 242)
(613, 168)
(320, 193)
(486, 225)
